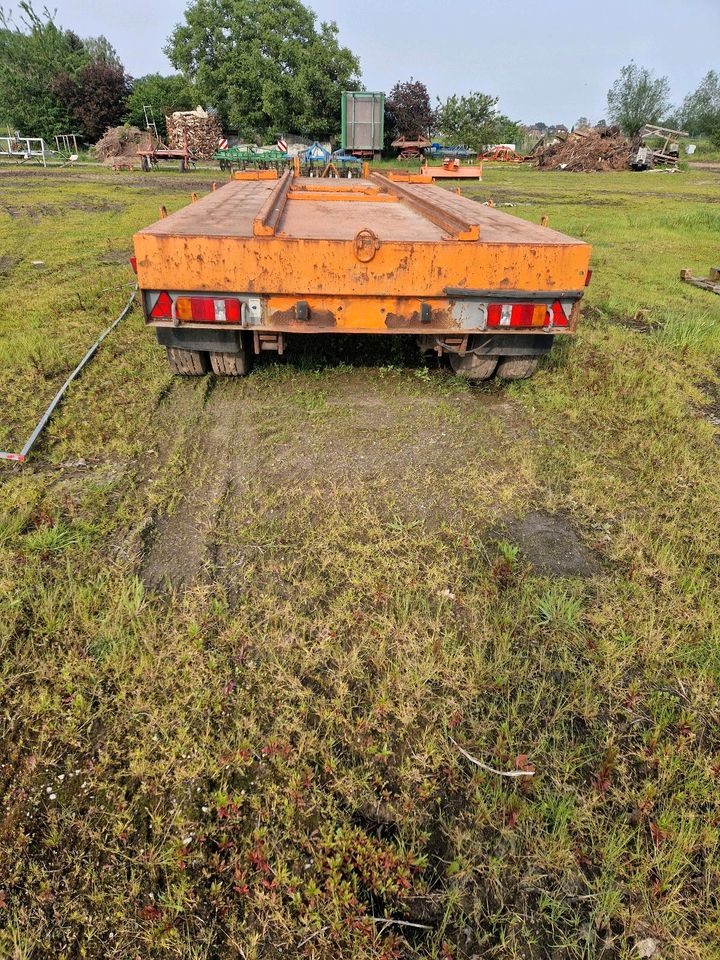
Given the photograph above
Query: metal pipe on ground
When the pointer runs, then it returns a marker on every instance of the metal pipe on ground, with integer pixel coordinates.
(43, 421)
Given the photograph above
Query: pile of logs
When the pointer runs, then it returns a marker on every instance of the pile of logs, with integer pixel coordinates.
(198, 130)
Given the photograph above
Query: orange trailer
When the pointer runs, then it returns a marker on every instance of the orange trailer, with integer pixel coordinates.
(230, 275)
(452, 169)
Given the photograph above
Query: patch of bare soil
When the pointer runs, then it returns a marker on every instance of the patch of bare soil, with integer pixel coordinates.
(34, 211)
(177, 546)
(353, 431)
(638, 323)
(711, 412)
(7, 265)
(168, 183)
(553, 546)
(116, 256)
(91, 205)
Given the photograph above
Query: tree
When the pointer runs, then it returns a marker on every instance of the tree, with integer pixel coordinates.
(581, 123)
(508, 131)
(637, 97)
(96, 96)
(471, 120)
(100, 49)
(265, 65)
(32, 54)
(53, 82)
(700, 111)
(163, 94)
(408, 111)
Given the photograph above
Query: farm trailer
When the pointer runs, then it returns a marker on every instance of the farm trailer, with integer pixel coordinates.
(264, 256)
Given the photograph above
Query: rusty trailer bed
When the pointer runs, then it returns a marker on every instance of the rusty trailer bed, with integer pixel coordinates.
(374, 255)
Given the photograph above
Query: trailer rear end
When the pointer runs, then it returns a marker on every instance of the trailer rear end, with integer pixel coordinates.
(231, 275)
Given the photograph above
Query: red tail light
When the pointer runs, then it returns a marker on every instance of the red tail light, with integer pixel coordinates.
(163, 307)
(518, 315)
(197, 309)
(588, 278)
(208, 310)
(526, 315)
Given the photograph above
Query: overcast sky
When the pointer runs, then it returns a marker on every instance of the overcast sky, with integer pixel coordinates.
(549, 60)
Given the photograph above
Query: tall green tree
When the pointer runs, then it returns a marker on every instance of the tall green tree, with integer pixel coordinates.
(637, 97)
(52, 82)
(102, 51)
(33, 52)
(265, 65)
(163, 94)
(700, 110)
(473, 121)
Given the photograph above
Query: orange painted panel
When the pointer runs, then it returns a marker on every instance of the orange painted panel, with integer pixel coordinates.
(295, 266)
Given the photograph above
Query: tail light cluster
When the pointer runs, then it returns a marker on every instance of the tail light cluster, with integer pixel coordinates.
(526, 315)
(229, 310)
(197, 309)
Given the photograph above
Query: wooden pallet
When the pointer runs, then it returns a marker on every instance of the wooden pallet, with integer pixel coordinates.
(711, 282)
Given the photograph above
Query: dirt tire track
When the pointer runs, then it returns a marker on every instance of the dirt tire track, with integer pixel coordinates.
(178, 548)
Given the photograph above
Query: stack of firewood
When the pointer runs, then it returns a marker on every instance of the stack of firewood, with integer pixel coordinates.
(196, 129)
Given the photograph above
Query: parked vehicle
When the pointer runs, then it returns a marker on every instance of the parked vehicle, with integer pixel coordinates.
(363, 123)
(265, 255)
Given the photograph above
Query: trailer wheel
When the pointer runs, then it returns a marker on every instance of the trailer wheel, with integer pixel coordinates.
(473, 367)
(230, 364)
(516, 368)
(187, 363)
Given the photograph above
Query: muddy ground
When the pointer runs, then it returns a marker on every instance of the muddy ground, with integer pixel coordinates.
(357, 431)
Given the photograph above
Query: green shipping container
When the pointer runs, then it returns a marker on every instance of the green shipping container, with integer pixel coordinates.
(363, 121)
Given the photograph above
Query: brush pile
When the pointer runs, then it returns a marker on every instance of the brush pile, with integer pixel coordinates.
(118, 143)
(587, 151)
(198, 130)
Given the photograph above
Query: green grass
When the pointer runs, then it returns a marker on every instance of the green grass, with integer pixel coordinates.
(264, 761)
(706, 152)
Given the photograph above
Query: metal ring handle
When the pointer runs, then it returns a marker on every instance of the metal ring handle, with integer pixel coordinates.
(365, 244)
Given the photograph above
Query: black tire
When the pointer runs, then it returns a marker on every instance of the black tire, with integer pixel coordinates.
(516, 368)
(473, 367)
(230, 364)
(187, 363)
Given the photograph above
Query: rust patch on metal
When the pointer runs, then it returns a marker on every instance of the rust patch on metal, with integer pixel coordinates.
(441, 319)
(316, 318)
(394, 321)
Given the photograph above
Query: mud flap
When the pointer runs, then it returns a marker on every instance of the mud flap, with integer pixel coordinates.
(512, 344)
(214, 341)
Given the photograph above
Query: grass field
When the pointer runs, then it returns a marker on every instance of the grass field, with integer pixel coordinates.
(247, 629)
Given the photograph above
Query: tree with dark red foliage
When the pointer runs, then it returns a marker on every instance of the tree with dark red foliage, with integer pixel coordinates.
(96, 96)
(408, 111)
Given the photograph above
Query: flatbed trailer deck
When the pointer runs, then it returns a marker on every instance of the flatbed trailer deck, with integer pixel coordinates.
(259, 258)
